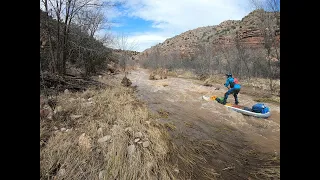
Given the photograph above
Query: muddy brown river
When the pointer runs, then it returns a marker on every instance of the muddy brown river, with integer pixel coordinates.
(220, 143)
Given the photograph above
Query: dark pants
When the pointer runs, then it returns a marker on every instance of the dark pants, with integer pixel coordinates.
(235, 93)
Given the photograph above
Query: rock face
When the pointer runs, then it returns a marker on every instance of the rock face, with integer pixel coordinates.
(248, 30)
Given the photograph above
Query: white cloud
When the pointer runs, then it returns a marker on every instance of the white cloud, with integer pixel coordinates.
(184, 15)
(173, 17)
(136, 41)
(146, 40)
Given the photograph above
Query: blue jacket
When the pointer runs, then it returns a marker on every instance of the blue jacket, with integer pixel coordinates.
(230, 82)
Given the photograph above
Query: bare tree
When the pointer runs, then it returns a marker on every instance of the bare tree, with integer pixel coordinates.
(226, 53)
(66, 13)
(269, 31)
(122, 43)
(155, 58)
(48, 27)
(205, 58)
(242, 55)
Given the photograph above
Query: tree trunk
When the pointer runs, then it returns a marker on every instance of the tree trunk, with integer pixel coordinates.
(52, 61)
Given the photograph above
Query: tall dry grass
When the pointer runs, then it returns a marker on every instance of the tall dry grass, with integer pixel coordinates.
(182, 73)
(77, 154)
(264, 84)
(260, 84)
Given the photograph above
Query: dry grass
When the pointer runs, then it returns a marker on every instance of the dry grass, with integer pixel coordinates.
(261, 83)
(76, 154)
(187, 74)
(211, 79)
(270, 169)
(272, 99)
(190, 159)
(215, 79)
(163, 113)
(170, 126)
(189, 124)
(158, 73)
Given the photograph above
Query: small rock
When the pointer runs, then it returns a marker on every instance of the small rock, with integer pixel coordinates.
(150, 165)
(72, 99)
(126, 82)
(157, 77)
(66, 91)
(57, 109)
(148, 122)
(136, 140)
(100, 76)
(100, 131)
(128, 129)
(207, 84)
(139, 142)
(87, 104)
(55, 128)
(104, 139)
(145, 144)
(138, 135)
(73, 117)
(68, 130)
(61, 172)
(101, 174)
(176, 170)
(84, 141)
(50, 115)
(90, 99)
(63, 129)
(131, 149)
(217, 88)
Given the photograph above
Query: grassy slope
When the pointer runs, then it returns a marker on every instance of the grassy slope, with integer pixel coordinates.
(77, 152)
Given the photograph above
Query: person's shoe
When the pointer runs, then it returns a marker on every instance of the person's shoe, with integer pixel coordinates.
(236, 103)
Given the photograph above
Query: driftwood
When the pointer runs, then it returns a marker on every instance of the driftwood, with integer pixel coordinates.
(60, 83)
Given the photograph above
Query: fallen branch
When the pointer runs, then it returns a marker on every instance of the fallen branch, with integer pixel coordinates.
(60, 83)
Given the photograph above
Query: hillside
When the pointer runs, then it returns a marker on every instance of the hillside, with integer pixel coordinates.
(85, 55)
(187, 43)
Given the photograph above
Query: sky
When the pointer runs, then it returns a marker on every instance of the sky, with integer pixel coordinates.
(146, 23)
